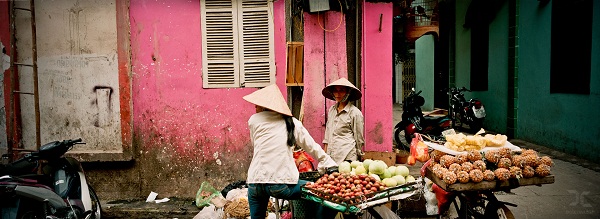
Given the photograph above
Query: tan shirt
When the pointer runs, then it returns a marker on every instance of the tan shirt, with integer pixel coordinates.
(344, 133)
(273, 160)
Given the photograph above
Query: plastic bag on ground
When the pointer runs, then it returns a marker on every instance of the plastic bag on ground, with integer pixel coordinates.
(237, 193)
(234, 185)
(210, 212)
(205, 194)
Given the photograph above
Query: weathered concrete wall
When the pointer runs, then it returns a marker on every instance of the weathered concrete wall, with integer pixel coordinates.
(4, 79)
(377, 75)
(77, 74)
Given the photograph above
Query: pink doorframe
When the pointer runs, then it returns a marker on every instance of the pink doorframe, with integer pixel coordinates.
(376, 75)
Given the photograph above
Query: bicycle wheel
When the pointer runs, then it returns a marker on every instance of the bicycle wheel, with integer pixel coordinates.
(495, 210)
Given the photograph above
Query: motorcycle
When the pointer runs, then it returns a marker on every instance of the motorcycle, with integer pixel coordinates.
(414, 121)
(462, 112)
(46, 185)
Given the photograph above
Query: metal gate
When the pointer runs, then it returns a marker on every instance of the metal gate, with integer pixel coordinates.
(408, 76)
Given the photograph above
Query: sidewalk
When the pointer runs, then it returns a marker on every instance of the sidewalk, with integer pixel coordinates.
(575, 194)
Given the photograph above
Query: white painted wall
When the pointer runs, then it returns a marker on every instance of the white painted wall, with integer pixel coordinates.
(77, 73)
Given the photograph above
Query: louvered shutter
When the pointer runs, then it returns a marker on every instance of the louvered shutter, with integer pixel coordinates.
(219, 44)
(257, 67)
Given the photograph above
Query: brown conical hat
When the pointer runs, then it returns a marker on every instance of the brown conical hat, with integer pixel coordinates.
(355, 93)
(269, 97)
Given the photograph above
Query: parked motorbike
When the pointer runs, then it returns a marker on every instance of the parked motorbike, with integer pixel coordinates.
(46, 185)
(414, 121)
(462, 112)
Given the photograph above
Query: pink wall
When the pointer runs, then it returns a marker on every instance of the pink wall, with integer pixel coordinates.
(181, 123)
(324, 61)
(377, 76)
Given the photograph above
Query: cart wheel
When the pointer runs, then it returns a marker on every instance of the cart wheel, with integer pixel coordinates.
(498, 211)
(469, 206)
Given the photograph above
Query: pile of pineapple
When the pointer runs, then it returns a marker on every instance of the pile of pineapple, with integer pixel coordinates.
(500, 164)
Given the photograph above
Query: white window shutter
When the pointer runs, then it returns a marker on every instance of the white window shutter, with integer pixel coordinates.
(257, 67)
(219, 44)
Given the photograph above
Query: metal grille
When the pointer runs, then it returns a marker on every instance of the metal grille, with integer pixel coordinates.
(408, 76)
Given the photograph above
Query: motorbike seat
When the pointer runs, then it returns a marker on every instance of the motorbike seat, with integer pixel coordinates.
(434, 118)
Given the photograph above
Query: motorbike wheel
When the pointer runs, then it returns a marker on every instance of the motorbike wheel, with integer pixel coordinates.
(31, 210)
(96, 208)
(455, 118)
(399, 136)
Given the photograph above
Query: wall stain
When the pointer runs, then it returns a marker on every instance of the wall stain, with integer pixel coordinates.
(376, 134)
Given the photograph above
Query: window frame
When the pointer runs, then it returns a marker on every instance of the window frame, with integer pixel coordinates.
(250, 61)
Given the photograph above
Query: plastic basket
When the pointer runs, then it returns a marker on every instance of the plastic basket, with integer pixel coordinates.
(310, 176)
(303, 209)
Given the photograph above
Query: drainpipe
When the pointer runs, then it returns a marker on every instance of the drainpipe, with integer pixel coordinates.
(513, 71)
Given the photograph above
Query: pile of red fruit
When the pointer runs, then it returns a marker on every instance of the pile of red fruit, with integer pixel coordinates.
(342, 187)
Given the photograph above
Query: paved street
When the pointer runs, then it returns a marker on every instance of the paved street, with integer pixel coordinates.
(574, 194)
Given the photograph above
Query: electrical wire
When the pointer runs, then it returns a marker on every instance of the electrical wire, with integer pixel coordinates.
(338, 25)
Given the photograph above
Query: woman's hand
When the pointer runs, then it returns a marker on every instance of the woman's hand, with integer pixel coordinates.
(325, 147)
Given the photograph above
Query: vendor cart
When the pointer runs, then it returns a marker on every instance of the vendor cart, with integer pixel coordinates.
(361, 204)
(478, 200)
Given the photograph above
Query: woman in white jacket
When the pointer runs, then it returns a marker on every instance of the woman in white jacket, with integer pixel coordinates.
(273, 133)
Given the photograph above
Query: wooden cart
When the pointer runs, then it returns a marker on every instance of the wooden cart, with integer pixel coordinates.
(477, 200)
(363, 204)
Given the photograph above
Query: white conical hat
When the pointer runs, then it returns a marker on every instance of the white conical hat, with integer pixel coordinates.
(355, 93)
(269, 97)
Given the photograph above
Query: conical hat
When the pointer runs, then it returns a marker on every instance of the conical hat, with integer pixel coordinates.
(355, 93)
(269, 97)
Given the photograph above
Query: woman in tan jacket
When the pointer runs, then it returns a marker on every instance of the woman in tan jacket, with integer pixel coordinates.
(344, 131)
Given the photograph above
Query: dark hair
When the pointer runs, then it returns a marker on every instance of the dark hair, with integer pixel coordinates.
(289, 125)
